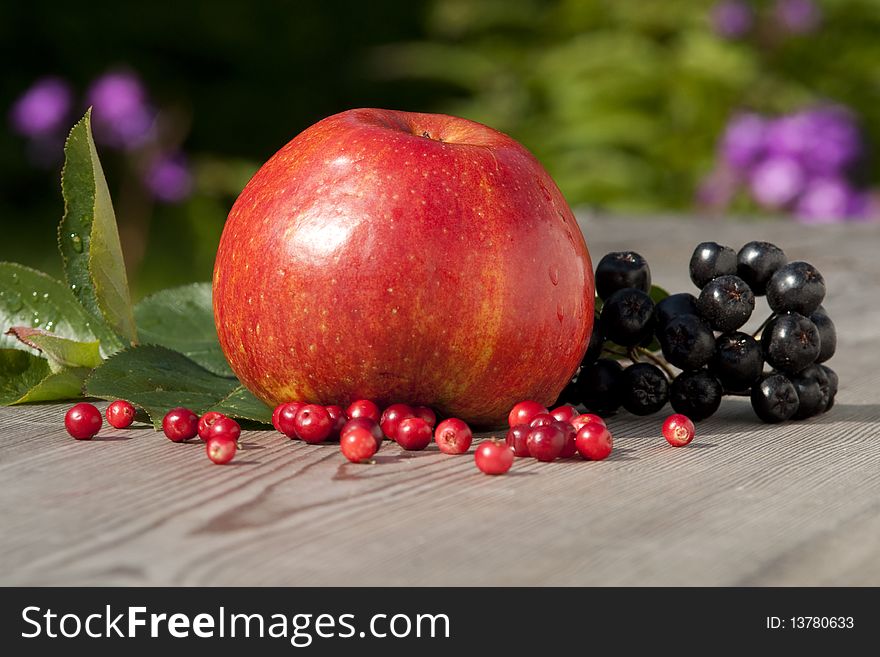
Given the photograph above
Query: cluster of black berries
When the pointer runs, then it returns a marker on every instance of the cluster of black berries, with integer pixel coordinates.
(700, 336)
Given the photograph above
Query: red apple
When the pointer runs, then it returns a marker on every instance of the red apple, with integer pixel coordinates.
(403, 257)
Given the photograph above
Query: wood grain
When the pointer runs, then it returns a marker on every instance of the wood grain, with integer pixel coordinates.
(746, 504)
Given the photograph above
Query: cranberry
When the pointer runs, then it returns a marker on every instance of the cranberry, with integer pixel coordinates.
(120, 414)
(358, 444)
(594, 441)
(564, 413)
(581, 420)
(364, 423)
(523, 412)
(678, 430)
(313, 423)
(338, 417)
(493, 457)
(276, 417)
(224, 428)
(413, 433)
(220, 450)
(180, 424)
(517, 436)
(392, 416)
(546, 442)
(453, 436)
(569, 449)
(541, 420)
(206, 421)
(284, 418)
(83, 421)
(426, 414)
(364, 408)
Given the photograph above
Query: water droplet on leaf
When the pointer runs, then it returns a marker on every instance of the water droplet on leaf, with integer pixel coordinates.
(36, 320)
(13, 302)
(76, 242)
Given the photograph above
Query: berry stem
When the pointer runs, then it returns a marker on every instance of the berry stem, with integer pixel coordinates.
(614, 352)
(654, 358)
(759, 330)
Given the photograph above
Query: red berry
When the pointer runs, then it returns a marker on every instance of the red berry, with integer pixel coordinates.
(83, 421)
(313, 423)
(569, 449)
(564, 413)
(120, 414)
(546, 442)
(541, 420)
(284, 418)
(517, 437)
(206, 421)
(180, 424)
(581, 420)
(593, 441)
(338, 417)
(392, 416)
(453, 436)
(364, 408)
(364, 423)
(225, 428)
(358, 444)
(413, 433)
(220, 450)
(493, 457)
(426, 414)
(523, 412)
(678, 430)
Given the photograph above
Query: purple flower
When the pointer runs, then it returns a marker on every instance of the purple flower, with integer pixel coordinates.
(169, 179)
(42, 110)
(121, 116)
(717, 189)
(732, 18)
(776, 181)
(798, 16)
(743, 141)
(825, 140)
(827, 200)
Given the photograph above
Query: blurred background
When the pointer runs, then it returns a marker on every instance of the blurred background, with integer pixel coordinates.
(764, 108)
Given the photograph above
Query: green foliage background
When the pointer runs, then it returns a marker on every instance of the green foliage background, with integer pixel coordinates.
(623, 100)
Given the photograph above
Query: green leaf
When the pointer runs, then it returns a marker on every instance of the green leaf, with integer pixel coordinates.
(60, 352)
(31, 298)
(182, 319)
(88, 238)
(27, 378)
(657, 294)
(241, 403)
(158, 379)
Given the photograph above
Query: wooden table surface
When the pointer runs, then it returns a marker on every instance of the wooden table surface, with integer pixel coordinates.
(745, 504)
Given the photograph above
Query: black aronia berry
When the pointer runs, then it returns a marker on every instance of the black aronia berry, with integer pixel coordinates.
(711, 260)
(726, 302)
(796, 287)
(790, 342)
(756, 263)
(644, 335)
(620, 270)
